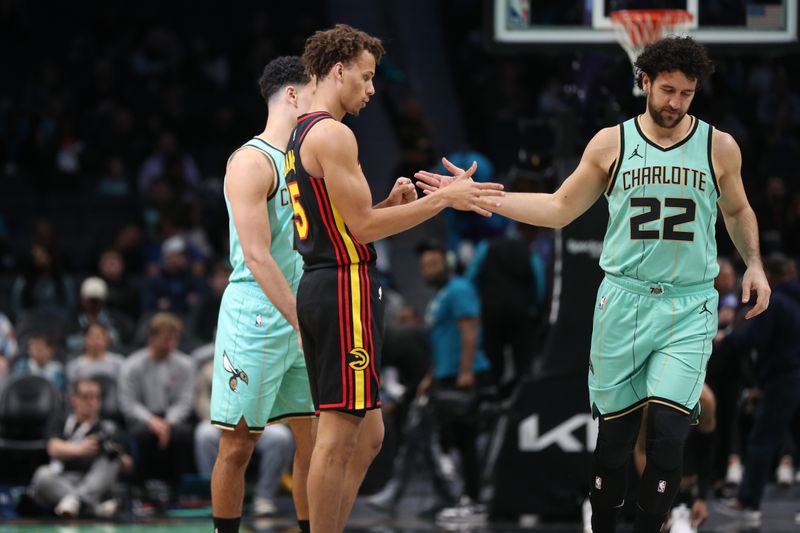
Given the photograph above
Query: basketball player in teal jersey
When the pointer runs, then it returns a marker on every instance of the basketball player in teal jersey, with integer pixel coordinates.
(259, 370)
(663, 173)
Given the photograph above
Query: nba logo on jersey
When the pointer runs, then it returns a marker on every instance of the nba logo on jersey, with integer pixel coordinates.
(259, 321)
(662, 486)
(602, 302)
(598, 483)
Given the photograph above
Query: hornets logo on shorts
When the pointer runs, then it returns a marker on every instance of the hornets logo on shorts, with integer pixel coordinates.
(235, 373)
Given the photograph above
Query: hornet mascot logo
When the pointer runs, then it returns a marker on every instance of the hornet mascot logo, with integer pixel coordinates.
(226, 363)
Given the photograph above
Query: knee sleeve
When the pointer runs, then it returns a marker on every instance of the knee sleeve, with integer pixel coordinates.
(615, 441)
(667, 429)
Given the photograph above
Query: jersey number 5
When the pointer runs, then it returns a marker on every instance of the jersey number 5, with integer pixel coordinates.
(300, 218)
(653, 212)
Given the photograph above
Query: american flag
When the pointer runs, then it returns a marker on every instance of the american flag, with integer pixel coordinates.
(765, 16)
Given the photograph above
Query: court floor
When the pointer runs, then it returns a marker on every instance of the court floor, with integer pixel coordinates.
(779, 510)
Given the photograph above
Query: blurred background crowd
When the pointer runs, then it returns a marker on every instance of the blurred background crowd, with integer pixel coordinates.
(113, 235)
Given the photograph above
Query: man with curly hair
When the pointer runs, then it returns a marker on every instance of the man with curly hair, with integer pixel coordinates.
(340, 301)
(664, 173)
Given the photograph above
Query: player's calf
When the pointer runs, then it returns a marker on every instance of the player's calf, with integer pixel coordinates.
(667, 429)
(615, 441)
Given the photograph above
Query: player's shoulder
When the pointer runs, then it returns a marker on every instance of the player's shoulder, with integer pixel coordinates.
(249, 158)
(604, 145)
(723, 143)
(248, 164)
(331, 129)
(331, 135)
(607, 136)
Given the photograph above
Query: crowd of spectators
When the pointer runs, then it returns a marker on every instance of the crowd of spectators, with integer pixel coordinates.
(113, 234)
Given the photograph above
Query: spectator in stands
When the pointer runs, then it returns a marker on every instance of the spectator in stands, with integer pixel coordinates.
(775, 212)
(96, 360)
(725, 375)
(773, 334)
(8, 347)
(275, 447)
(511, 278)
(155, 394)
(204, 316)
(8, 339)
(122, 297)
(175, 288)
(170, 164)
(43, 284)
(458, 364)
(129, 244)
(93, 310)
(114, 182)
(86, 456)
(39, 361)
(464, 231)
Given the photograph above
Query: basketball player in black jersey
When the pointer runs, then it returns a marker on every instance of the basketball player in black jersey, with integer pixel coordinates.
(339, 301)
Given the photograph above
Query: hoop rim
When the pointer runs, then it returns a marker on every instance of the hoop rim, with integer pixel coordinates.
(666, 16)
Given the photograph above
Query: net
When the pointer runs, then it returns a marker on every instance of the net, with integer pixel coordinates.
(636, 28)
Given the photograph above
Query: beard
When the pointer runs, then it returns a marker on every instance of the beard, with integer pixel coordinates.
(660, 118)
(437, 281)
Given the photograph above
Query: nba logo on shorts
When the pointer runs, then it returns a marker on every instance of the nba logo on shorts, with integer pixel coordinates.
(602, 302)
(598, 483)
(259, 321)
(662, 486)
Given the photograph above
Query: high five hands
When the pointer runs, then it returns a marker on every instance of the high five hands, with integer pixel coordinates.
(463, 193)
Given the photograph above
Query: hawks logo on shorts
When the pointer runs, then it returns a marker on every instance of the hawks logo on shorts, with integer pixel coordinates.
(361, 359)
(235, 373)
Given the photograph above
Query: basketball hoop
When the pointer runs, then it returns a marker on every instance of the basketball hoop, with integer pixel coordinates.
(636, 28)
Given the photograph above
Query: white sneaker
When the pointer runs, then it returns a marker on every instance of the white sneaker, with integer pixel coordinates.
(732, 509)
(784, 475)
(586, 513)
(465, 513)
(106, 509)
(734, 474)
(69, 506)
(264, 507)
(680, 520)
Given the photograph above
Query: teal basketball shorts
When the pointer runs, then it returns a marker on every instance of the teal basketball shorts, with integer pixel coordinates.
(259, 370)
(650, 343)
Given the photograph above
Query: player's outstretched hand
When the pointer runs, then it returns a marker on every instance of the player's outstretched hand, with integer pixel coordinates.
(430, 182)
(403, 192)
(755, 280)
(465, 194)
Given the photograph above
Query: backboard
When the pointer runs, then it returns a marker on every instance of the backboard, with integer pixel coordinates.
(724, 22)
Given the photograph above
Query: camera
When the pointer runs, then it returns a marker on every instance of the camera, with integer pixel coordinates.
(108, 445)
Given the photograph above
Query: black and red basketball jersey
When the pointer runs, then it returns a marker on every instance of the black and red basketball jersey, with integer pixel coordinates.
(320, 234)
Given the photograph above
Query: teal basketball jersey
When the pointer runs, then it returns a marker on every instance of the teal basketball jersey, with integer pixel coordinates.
(281, 220)
(662, 207)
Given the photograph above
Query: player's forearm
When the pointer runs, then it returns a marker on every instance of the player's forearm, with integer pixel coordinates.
(536, 209)
(383, 203)
(743, 230)
(272, 281)
(381, 223)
